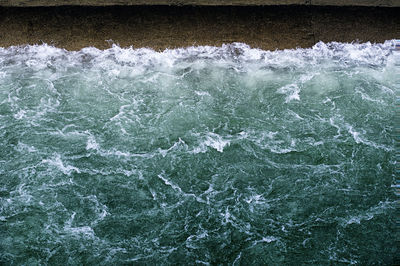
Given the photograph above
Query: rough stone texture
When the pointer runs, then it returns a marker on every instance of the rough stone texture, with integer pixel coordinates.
(160, 27)
(387, 3)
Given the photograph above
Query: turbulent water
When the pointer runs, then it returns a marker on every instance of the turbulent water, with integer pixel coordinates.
(202, 155)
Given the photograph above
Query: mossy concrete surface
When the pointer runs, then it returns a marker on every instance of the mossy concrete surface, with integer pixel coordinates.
(160, 27)
(387, 3)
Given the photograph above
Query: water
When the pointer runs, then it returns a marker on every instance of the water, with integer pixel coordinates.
(203, 155)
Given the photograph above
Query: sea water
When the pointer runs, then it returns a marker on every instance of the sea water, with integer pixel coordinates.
(202, 155)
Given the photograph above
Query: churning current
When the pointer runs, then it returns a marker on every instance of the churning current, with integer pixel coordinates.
(203, 155)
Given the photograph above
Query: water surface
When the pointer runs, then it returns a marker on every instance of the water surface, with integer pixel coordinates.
(203, 155)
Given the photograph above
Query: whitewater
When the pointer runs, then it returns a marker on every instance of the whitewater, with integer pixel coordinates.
(199, 155)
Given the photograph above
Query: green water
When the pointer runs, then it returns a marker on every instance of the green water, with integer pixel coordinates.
(202, 155)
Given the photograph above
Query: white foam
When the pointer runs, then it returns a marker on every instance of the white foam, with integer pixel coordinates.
(92, 144)
(170, 60)
(59, 164)
(368, 214)
(357, 136)
(292, 92)
(179, 190)
(24, 147)
(85, 231)
(211, 140)
(168, 183)
(20, 114)
(202, 93)
(269, 239)
(215, 141)
(176, 145)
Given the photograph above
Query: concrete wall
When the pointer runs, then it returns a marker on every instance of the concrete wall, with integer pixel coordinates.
(160, 27)
(386, 3)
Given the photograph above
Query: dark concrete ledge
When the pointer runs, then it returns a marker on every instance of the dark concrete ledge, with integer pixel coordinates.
(384, 3)
(160, 27)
